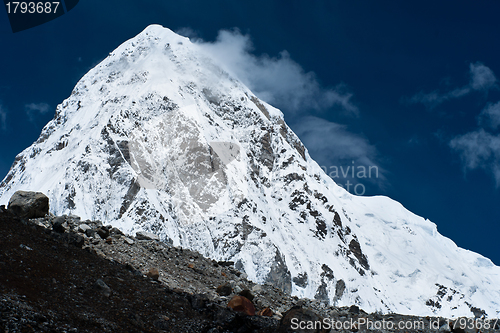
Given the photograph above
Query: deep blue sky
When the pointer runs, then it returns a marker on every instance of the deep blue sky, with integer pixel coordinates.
(420, 76)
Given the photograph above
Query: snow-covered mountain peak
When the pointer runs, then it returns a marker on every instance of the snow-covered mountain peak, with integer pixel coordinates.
(158, 137)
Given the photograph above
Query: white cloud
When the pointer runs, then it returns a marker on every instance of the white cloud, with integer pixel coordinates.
(335, 148)
(37, 107)
(479, 150)
(490, 116)
(277, 80)
(433, 99)
(482, 78)
(334, 138)
(32, 109)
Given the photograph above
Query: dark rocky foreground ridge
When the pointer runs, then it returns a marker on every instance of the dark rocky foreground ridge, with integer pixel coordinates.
(61, 274)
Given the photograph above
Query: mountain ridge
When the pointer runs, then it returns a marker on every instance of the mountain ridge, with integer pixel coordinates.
(157, 137)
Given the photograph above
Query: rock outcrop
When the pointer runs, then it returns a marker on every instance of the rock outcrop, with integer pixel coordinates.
(29, 204)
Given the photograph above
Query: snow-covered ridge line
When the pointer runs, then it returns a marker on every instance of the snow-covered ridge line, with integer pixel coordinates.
(157, 137)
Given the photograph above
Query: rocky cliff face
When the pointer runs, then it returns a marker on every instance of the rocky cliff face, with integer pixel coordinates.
(159, 138)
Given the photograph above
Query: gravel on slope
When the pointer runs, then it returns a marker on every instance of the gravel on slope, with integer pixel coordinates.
(61, 274)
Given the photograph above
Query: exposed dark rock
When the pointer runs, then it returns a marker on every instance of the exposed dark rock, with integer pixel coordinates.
(90, 232)
(322, 292)
(298, 199)
(161, 324)
(242, 304)
(29, 204)
(224, 316)
(73, 239)
(198, 301)
(478, 313)
(266, 312)
(339, 289)
(102, 287)
(153, 273)
(115, 232)
(58, 224)
(327, 272)
(321, 197)
(293, 177)
(354, 309)
(224, 289)
(130, 196)
(266, 153)
(261, 107)
(70, 195)
(247, 293)
(356, 250)
(280, 276)
(103, 232)
(337, 220)
(321, 230)
(433, 303)
(301, 280)
(225, 263)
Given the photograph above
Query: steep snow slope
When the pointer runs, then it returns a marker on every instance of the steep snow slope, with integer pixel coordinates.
(157, 137)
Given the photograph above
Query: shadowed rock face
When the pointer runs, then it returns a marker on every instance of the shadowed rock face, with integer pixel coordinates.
(356, 250)
(29, 204)
(339, 290)
(280, 275)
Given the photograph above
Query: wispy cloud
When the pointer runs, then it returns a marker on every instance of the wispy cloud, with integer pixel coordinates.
(490, 116)
(338, 151)
(277, 80)
(479, 150)
(33, 109)
(482, 78)
(433, 99)
(3, 118)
